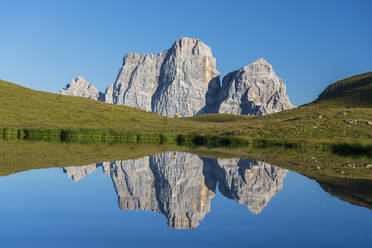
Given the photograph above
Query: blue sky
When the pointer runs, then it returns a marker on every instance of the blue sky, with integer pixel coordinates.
(45, 44)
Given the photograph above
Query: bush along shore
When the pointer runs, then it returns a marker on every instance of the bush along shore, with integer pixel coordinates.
(85, 135)
(192, 140)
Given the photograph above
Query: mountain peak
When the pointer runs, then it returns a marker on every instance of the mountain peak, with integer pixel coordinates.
(186, 45)
(259, 67)
(261, 61)
(81, 87)
(183, 81)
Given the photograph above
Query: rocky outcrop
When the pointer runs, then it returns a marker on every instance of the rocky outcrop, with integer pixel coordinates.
(78, 172)
(253, 90)
(249, 182)
(181, 185)
(175, 80)
(81, 87)
(184, 80)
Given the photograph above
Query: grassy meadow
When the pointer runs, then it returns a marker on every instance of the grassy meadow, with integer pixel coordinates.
(344, 116)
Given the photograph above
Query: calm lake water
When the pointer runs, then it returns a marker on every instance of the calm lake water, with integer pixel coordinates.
(176, 199)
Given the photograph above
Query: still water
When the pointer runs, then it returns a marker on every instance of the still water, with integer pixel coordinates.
(176, 199)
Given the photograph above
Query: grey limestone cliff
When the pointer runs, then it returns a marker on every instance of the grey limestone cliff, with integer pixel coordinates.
(81, 87)
(253, 90)
(184, 80)
(175, 80)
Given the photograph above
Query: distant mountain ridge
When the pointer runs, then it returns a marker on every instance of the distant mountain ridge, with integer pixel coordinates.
(184, 80)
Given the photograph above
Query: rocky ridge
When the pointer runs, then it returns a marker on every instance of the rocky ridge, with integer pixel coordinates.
(81, 87)
(181, 185)
(184, 80)
(253, 90)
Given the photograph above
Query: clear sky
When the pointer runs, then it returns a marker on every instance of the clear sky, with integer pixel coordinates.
(45, 44)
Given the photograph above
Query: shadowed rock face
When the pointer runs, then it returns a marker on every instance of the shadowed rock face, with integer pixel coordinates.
(181, 185)
(253, 90)
(184, 80)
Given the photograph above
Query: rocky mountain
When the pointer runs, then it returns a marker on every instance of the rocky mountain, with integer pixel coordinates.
(181, 185)
(175, 80)
(184, 80)
(249, 182)
(254, 89)
(81, 87)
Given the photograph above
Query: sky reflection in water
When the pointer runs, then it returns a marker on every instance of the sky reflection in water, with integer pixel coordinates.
(205, 202)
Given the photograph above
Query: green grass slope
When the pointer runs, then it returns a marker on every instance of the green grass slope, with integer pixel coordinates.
(343, 112)
(23, 107)
(352, 87)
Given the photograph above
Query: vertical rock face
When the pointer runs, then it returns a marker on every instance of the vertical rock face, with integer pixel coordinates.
(81, 87)
(175, 80)
(137, 81)
(181, 185)
(185, 75)
(253, 90)
(184, 80)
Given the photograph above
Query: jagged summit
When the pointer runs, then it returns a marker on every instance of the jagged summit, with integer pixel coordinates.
(191, 46)
(183, 81)
(173, 81)
(254, 89)
(81, 87)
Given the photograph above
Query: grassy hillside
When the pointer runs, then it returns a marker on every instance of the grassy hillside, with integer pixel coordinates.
(344, 115)
(343, 112)
(345, 87)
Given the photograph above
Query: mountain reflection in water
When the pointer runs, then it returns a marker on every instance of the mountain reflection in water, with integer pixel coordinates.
(181, 185)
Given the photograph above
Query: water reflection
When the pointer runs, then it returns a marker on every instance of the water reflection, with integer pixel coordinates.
(181, 185)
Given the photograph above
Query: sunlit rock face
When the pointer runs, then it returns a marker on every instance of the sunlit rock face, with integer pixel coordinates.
(185, 75)
(249, 182)
(181, 185)
(184, 80)
(81, 87)
(137, 81)
(175, 80)
(253, 90)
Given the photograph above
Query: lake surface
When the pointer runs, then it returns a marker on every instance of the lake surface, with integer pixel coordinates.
(176, 199)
